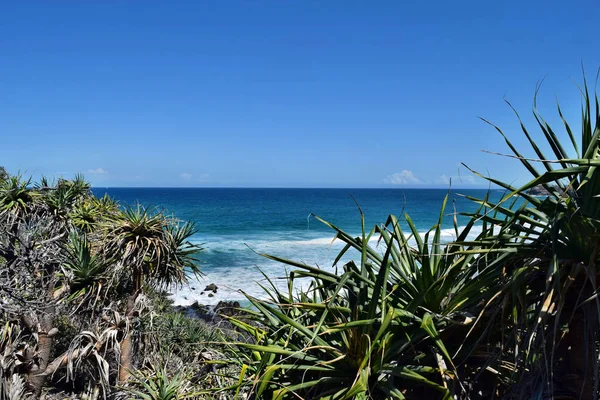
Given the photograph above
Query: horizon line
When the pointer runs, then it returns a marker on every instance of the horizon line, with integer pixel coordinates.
(291, 187)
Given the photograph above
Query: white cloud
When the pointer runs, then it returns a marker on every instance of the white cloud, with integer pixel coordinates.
(404, 177)
(464, 179)
(97, 171)
(186, 176)
(444, 180)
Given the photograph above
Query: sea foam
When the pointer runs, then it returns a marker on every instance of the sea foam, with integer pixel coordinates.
(243, 263)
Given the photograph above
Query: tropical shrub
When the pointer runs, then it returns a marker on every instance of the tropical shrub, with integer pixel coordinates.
(389, 326)
(75, 277)
(548, 306)
(160, 384)
(513, 312)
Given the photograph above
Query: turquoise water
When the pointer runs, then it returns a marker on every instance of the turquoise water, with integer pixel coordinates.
(233, 224)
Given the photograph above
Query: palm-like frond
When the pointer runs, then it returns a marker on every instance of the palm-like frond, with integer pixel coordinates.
(138, 238)
(155, 247)
(85, 216)
(12, 385)
(380, 329)
(107, 206)
(65, 195)
(84, 269)
(182, 260)
(15, 196)
(158, 383)
(551, 281)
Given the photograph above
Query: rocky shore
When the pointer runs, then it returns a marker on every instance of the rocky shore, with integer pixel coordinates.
(210, 313)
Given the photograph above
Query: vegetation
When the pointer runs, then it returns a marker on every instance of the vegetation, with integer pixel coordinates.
(507, 310)
(77, 276)
(511, 313)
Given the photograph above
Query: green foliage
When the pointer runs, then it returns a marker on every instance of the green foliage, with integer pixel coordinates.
(107, 206)
(513, 312)
(15, 196)
(74, 273)
(549, 300)
(154, 247)
(138, 235)
(68, 331)
(86, 216)
(85, 269)
(377, 330)
(161, 384)
(182, 336)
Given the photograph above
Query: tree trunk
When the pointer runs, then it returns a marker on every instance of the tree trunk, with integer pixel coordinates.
(35, 377)
(126, 358)
(43, 325)
(126, 361)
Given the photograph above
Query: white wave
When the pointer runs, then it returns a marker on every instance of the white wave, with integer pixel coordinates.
(234, 243)
(317, 251)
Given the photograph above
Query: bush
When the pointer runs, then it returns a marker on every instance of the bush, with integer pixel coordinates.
(511, 313)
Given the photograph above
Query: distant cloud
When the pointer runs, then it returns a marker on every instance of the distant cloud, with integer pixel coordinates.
(465, 179)
(195, 177)
(97, 171)
(404, 177)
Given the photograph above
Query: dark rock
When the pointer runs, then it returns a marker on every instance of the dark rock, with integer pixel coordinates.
(195, 305)
(211, 288)
(215, 315)
(229, 308)
(198, 308)
(193, 288)
(538, 191)
(180, 309)
(541, 191)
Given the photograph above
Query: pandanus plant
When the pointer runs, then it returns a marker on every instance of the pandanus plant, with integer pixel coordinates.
(549, 303)
(15, 196)
(380, 329)
(511, 312)
(153, 250)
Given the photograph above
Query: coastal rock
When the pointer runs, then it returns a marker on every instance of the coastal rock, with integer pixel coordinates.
(211, 288)
(217, 316)
(196, 309)
(538, 190)
(211, 313)
(180, 309)
(541, 191)
(228, 308)
(211, 295)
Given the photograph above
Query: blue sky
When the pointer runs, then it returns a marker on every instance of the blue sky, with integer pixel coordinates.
(282, 93)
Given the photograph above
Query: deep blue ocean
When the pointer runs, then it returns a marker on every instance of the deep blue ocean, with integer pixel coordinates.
(233, 224)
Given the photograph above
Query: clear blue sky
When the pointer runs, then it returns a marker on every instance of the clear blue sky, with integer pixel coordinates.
(281, 93)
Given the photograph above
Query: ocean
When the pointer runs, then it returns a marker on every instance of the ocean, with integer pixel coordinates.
(235, 224)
